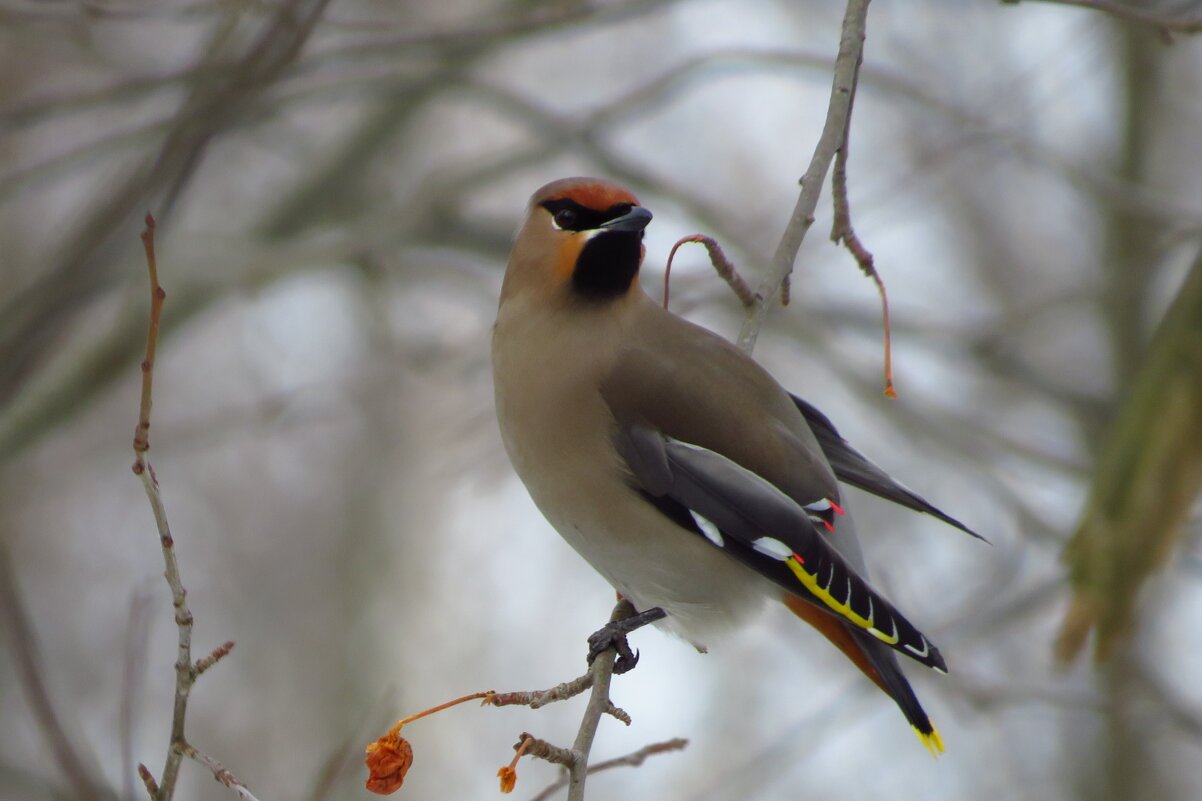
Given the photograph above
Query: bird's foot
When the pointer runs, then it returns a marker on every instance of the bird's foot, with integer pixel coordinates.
(613, 635)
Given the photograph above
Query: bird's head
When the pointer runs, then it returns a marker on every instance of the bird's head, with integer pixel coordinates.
(582, 237)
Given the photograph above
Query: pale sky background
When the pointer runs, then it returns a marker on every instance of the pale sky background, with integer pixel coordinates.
(324, 431)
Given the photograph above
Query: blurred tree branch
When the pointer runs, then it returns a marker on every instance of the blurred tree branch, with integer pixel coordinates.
(67, 391)
(52, 299)
(1148, 476)
(455, 52)
(23, 647)
(25, 415)
(1007, 405)
(1165, 23)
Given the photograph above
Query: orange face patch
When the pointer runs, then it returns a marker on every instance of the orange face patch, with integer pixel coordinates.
(565, 259)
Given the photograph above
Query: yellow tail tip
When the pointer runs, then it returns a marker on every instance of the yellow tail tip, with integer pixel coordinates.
(932, 741)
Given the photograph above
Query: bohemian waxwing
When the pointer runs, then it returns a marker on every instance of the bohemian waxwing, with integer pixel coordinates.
(673, 462)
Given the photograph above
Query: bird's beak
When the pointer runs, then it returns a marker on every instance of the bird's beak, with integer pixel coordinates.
(634, 220)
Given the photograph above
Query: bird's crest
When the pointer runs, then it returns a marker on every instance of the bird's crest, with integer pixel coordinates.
(592, 193)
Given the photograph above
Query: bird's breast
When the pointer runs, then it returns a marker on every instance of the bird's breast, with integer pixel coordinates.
(558, 432)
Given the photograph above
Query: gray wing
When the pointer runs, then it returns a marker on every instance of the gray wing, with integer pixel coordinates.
(760, 526)
(852, 467)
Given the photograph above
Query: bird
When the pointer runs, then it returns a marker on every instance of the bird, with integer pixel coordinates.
(671, 460)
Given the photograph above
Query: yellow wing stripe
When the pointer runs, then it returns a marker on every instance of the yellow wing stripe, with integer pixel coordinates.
(844, 610)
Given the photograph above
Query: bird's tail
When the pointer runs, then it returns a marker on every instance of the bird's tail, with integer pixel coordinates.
(876, 661)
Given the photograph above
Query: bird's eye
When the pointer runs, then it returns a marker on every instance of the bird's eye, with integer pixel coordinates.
(565, 218)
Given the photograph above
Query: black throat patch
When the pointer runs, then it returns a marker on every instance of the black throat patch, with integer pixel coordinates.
(608, 264)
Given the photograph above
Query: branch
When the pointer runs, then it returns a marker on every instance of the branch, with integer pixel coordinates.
(213, 105)
(843, 231)
(1147, 477)
(632, 760)
(157, 296)
(600, 674)
(851, 48)
(560, 692)
(27, 660)
(186, 672)
(602, 671)
(389, 758)
(219, 773)
(1165, 25)
(722, 265)
(137, 632)
(184, 676)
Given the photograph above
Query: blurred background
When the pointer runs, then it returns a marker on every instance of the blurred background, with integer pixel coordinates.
(337, 187)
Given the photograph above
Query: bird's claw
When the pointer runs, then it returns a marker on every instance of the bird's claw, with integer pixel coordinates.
(613, 635)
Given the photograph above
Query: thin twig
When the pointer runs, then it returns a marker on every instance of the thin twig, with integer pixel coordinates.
(540, 698)
(851, 46)
(618, 712)
(220, 773)
(218, 653)
(843, 231)
(152, 787)
(185, 671)
(536, 747)
(722, 265)
(632, 760)
(157, 296)
(536, 699)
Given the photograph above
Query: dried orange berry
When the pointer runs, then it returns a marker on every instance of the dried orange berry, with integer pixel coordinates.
(388, 760)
